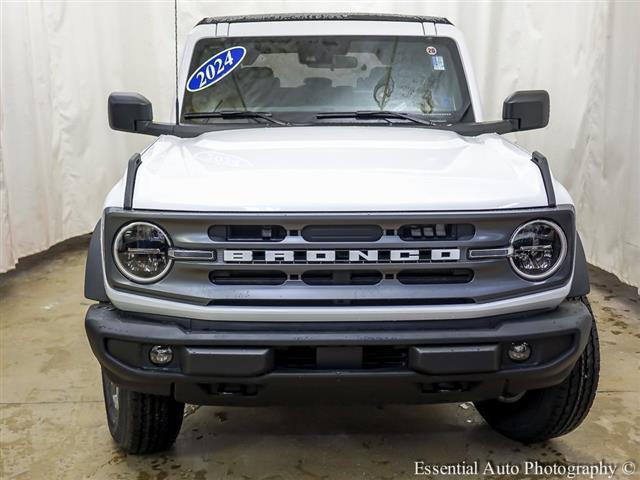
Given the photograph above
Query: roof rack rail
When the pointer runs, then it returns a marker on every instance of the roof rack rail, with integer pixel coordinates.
(292, 17)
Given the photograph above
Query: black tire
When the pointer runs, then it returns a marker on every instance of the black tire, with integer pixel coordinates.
(140, 422)
(550, 412)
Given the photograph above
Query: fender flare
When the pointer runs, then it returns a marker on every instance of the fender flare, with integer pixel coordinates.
(580, 284)
(93, 274)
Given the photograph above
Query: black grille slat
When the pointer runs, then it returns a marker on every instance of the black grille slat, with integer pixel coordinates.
(247, 233)
(342, 233)
(342, 277)
(436, 232)
(435, 277)
(248, 277)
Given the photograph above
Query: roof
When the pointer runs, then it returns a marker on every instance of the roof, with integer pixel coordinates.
(288, 17)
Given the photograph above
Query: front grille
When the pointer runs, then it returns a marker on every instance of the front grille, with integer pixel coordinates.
(338, 259)
(291, 264)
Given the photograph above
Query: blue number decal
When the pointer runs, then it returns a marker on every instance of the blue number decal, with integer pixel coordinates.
(216, 68)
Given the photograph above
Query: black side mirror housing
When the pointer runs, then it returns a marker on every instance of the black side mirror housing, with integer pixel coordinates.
(527, 109)
(127, 110)
(132, 112)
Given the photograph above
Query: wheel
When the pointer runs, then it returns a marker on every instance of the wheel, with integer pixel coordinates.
(140, 422)
(554, 411)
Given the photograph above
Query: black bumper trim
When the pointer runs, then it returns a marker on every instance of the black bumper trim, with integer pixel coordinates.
(226, 362)
(455, 359)
(458, 363)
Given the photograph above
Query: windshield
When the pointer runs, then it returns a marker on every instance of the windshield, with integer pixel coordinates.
(416, 75)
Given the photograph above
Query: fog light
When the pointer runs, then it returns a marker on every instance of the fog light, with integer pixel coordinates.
(160, 355)
(519, 352)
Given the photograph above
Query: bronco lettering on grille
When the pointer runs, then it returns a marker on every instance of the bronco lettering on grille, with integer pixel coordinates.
(341, 256)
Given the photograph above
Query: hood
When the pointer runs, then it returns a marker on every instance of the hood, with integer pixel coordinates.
(349, 168)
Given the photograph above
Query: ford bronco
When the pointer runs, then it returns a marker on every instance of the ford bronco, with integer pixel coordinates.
(330, 218)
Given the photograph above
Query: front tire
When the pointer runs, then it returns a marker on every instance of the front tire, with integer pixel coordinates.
(554, 411)
(140, 422)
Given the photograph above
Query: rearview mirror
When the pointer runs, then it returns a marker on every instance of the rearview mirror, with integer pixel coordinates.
(527, 109)
(126, 109)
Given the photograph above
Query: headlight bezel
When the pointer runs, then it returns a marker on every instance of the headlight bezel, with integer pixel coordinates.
(123, 270)
(564, 247)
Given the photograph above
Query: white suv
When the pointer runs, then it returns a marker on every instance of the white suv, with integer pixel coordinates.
(331, 218)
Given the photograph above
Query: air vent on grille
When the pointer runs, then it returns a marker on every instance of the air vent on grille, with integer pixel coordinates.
(248, 277)
(247, 233)
(342, 233)
(436, 231)
(341, 277)
(434, 277)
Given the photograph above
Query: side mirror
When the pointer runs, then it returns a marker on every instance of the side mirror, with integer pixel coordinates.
(527, 109)
(126, 109)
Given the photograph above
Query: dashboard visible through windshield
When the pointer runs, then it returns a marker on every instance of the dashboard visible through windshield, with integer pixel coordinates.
(420, 76)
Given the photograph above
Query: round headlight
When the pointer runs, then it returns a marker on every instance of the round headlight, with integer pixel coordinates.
(141, 252)
(539, 248)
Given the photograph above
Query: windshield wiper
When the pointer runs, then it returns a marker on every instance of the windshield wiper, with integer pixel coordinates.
(235, 114)
(384, 114)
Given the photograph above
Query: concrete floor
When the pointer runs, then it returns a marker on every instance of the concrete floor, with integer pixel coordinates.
(53, 423)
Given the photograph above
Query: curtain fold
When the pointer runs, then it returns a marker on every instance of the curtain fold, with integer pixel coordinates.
(59, 62)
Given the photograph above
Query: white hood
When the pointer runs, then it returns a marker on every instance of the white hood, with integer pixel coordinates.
(336, 169)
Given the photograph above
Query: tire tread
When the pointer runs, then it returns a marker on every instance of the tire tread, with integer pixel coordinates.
(147, 423)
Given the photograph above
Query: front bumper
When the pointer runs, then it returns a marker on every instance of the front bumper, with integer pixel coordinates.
(251, 363)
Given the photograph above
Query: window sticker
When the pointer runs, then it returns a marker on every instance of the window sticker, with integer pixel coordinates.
(437, 62)
(216, 68)
(431, 50)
